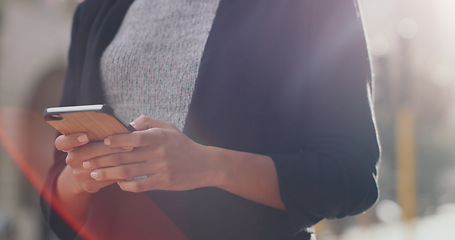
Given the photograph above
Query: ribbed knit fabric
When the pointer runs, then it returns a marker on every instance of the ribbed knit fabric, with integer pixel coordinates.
(151, 65)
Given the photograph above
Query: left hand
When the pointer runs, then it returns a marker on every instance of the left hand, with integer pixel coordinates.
(169, 159)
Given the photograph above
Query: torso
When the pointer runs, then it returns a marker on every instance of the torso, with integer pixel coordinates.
(151, 65)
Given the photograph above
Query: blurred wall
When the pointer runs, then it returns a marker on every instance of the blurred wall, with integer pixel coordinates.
(34, 38)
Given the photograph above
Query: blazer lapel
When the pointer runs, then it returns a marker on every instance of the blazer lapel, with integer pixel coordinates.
(102, 32)
(251, 74)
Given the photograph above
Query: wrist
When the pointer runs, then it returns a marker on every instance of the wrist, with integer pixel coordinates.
(217, 173)
(248, 175)
(71, 196)
(68, 185)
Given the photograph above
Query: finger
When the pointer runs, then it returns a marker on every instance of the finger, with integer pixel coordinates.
(148, 183)
(81, 154)
(68, 142)
(144, 138)
(123, 158)
(88, 184)
(144, 122)
(96, 186)
(123, 172)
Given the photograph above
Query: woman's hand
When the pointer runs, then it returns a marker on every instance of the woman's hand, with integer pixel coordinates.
(79, 151)
(172, 161)
(162, 153)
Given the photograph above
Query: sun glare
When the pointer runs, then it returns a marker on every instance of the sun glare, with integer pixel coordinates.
(445, 18)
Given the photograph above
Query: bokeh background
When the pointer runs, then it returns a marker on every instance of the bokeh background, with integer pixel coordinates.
(413, 51)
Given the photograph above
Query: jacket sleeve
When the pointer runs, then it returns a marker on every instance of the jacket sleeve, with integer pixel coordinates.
(334, 174)
(52, 216)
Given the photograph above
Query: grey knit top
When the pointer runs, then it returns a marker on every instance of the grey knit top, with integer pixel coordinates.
(151, 65)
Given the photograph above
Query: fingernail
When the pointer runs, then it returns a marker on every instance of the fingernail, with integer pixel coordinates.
(86, 165)
(82, 138)
(132, 124)
(107, 141)
(94, 174)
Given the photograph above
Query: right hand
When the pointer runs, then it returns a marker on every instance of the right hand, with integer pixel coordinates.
(80, 150)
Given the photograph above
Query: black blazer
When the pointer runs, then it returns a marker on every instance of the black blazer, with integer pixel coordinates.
(290, 79)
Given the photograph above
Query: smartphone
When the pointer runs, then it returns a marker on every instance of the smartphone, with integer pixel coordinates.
(98, 121)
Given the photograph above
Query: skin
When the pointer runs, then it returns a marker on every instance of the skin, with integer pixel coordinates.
(169, 159)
